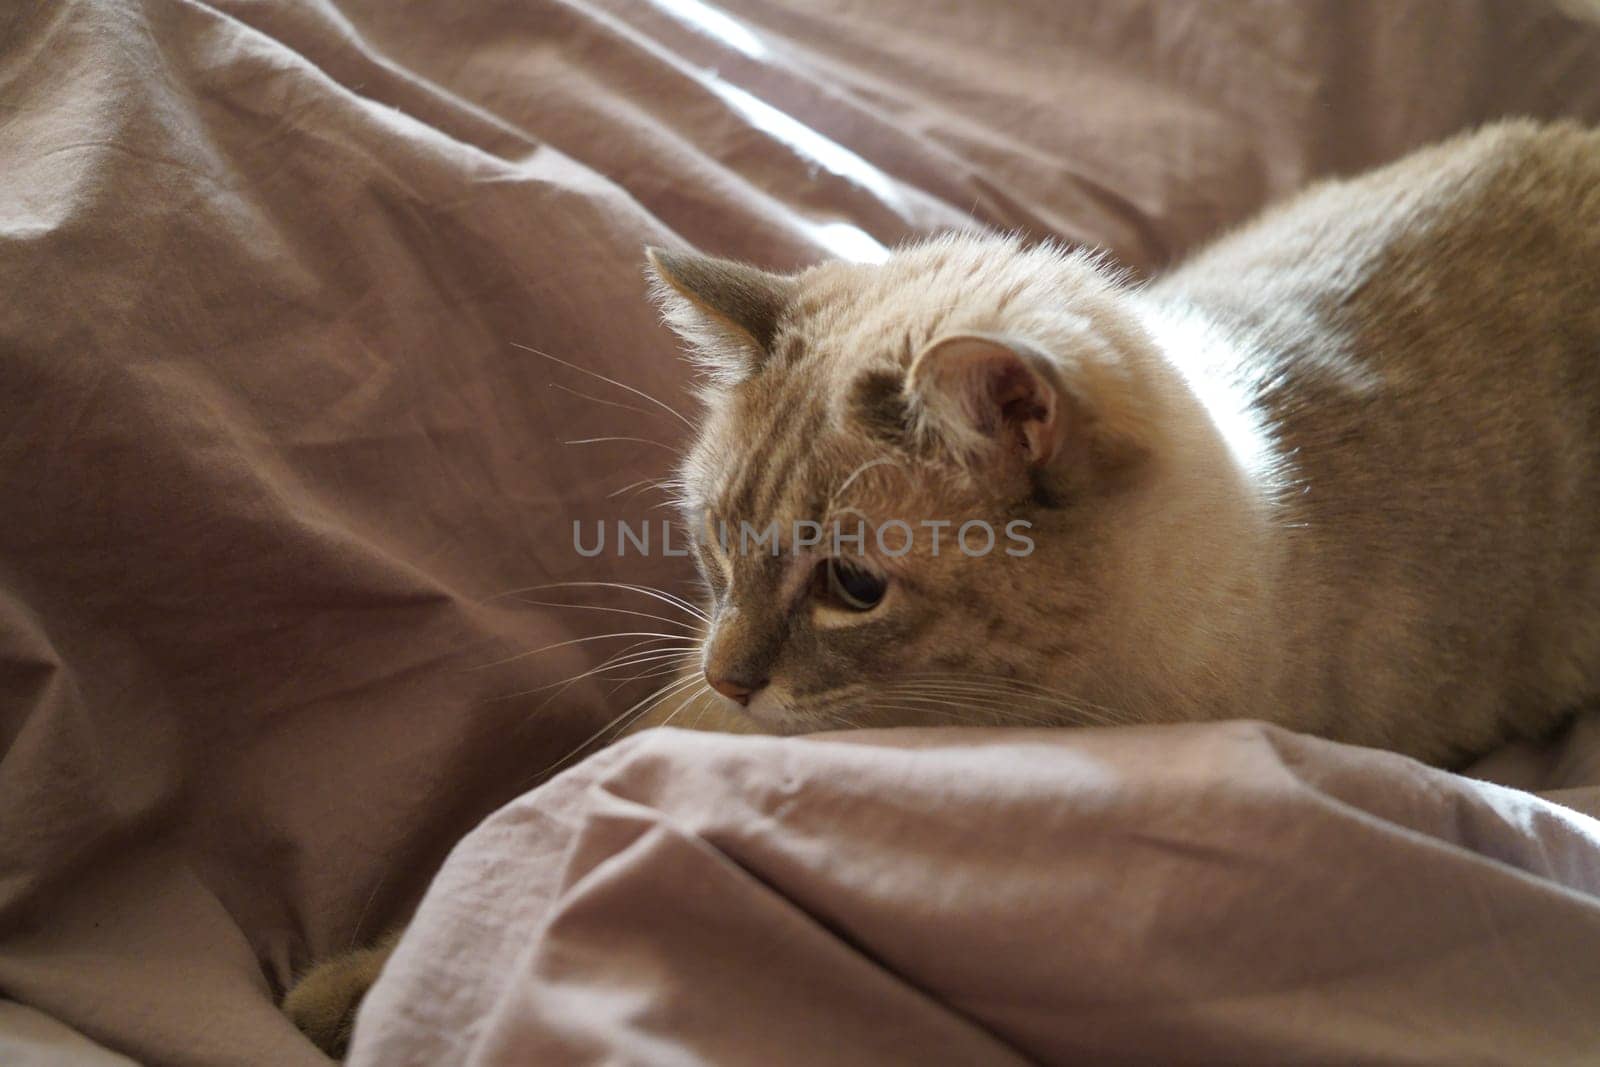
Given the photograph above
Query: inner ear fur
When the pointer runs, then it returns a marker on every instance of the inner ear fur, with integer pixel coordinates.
(988, 397)
(982, 393)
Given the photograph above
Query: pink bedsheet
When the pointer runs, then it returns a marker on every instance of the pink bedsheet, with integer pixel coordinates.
(1165, 895)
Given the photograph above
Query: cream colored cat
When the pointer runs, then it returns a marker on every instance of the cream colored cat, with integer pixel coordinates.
(1340, 471)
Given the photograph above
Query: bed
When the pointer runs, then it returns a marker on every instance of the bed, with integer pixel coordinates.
(307, 301)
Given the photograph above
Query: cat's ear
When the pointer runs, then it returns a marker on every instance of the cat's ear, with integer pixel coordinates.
(728, 313)
(989, 398)
(981, 394)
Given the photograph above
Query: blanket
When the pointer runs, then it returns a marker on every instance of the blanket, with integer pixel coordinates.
(1218, 893)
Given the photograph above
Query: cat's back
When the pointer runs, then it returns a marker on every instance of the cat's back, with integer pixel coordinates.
(1505, 210)
(1438, 318)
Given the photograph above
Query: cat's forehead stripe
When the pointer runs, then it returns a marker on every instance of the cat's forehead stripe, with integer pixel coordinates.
(738, 489)
(794, 446)
(765, 469)
(748, 452)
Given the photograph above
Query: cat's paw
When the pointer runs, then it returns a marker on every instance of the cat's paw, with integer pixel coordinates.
(323, 1003)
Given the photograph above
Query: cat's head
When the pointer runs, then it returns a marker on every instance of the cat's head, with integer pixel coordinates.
(989, 418)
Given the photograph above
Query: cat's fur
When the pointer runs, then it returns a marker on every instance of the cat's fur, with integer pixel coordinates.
(1340, 470)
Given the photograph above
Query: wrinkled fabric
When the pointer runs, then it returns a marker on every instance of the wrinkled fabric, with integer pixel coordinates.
(29, 1038)
(273, 464)
(1191, 894)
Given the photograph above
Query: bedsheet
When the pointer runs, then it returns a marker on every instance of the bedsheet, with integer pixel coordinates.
(1218, 893)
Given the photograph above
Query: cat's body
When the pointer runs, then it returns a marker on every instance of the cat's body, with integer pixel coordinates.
(1428, 343)
(1340, 470)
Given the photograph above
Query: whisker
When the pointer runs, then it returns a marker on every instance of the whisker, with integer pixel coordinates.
(858, 472)
(664, 693)
(971, 705)
(602, 400)
(994, 695)
(838, 720)
(699, 714)
(955, 716)
(685, 661)
(647, 590)
(574, 641)
(1004, 700)
(665, 485)
(616, 661)
(355, 931)
(991, 715)
(675, 689)
(635, 440)
(697, 695)
(638, 659)
(620, 385)
(998, 679)
(690, 627)
(974, 689)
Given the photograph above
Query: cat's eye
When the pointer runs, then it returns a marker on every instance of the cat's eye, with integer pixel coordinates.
(848, 585)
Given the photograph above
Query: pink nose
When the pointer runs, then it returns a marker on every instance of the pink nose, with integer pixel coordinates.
(734, 688)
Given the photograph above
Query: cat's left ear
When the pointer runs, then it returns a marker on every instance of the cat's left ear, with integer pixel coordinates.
(978, 394)
(990, 398)
(727, 312)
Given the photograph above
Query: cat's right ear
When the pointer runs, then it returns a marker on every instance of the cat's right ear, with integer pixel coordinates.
(727, 313)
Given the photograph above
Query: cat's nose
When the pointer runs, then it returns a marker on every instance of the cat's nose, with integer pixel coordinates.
(739, 689)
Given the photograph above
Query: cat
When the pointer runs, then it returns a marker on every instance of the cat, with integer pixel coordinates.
(1339, 470)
